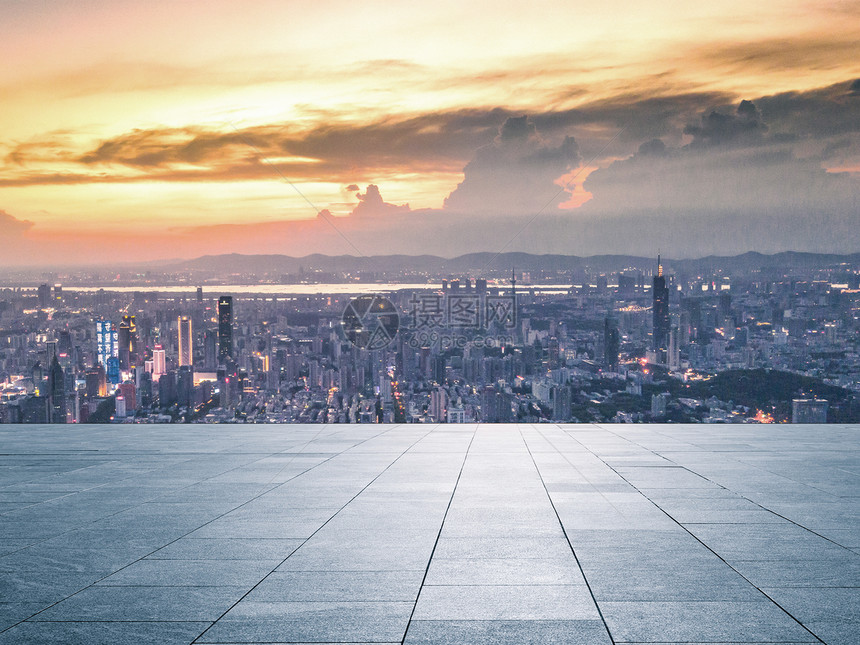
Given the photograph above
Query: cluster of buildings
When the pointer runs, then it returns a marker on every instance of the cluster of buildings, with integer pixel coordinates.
(611, 347)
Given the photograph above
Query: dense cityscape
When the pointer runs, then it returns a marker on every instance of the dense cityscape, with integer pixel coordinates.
(635, 344)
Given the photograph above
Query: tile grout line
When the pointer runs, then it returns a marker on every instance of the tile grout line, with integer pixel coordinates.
(438, 536)
(564, 530)
(695, 537)
(143, 557)
(710, 481)
(305, 541)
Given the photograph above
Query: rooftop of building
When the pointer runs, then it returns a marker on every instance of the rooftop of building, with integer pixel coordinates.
(449, 534)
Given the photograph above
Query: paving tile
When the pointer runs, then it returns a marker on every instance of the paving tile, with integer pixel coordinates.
(716, 622)
(836, 572)
(506, 632)
(506, 602)
(14, 612)
(144, 604)
(43, 586)
(817, 605)
(338, 586)
(103, 633)
(190, 548)
(191, 573)
(716, 581)
(300, 622)
(502, 571)
(501, 547)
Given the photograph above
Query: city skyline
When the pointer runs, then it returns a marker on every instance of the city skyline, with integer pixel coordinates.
(683, 343)
(136, 132)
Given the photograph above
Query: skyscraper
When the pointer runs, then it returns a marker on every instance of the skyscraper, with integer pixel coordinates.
(44, 293)
(438, 404)
(128, 343)
(210, 349)
(159, 362)
(56, 399)
(107, 341)
(661, 313)
(186, 353)
(225, 327)
(611, 344)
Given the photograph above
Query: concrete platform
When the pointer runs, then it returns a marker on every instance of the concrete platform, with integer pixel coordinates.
(550, 534)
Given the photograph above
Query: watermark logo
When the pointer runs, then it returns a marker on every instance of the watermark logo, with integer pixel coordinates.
(370, 322)
(454, 320)
(475, 311)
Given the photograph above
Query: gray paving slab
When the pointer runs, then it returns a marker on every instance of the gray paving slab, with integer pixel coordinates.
(504, 632)
(501, 571)
(506, 602)
(333, 586)
(299, 622)
(419, 534)
(715, 622)
(102, 633)
(144, 604)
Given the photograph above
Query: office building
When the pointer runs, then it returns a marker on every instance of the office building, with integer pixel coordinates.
(660, 338)
(438, 404)
(658, 405)
(107, 341)
(186, 345)
(611, 344)
(128, 343)
(159, 362)
(56, 399)
(44, 293)
(225, 328)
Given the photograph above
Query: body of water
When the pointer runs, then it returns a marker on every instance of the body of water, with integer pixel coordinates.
(304, 289)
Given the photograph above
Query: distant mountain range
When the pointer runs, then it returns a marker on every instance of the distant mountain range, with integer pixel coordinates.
(475, 263)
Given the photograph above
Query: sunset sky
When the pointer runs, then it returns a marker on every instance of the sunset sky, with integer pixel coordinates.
(166, 129)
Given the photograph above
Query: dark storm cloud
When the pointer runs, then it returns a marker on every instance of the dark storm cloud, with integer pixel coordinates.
(745, 127)
(819, 113)
(514, 174)
(736, 181)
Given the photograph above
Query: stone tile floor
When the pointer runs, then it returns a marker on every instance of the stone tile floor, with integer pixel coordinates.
(549, 534)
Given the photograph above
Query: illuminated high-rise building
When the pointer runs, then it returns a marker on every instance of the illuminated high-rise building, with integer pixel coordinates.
(661, 312)
(186, 353)
(159, 362)
(128, 343)
(225, 328)
(107, 341)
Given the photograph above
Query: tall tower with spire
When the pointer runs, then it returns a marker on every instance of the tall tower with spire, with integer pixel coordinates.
(661, 312)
